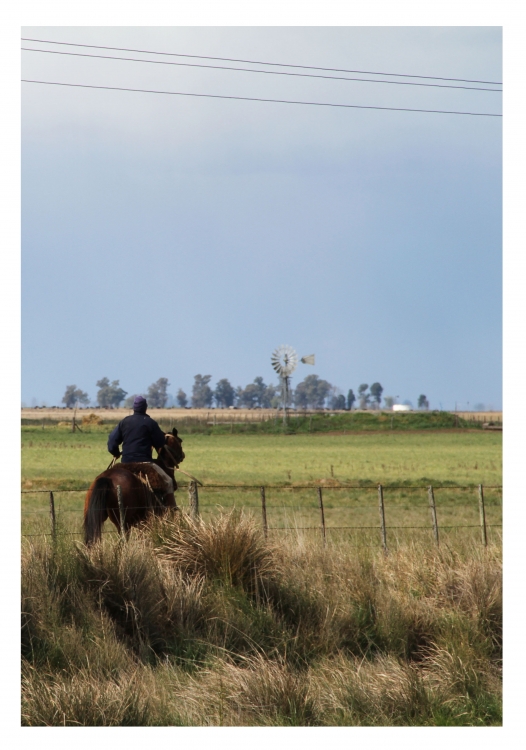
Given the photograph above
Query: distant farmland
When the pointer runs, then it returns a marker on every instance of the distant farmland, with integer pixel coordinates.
(217, 415)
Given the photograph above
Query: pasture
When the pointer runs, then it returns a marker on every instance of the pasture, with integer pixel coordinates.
(348, 467)
(207, 623)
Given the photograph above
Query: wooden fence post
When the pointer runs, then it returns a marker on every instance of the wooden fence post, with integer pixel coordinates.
(432, 506)
(193, 497)
(121, 510)
(264, 511)
(482, 512)
(320, 503)
(381, 508)
(52, 514)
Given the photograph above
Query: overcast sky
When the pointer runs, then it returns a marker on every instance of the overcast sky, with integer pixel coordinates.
(165, 236)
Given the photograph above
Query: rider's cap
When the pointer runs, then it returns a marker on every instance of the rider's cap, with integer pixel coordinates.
(139, 403)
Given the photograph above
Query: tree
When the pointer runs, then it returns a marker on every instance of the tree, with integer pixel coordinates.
(182, 399)
(388, 402)
(257, 394)
(157, 396)
(224, 394)
(364, 396)
(351, 398)
(261, 390)
(271, 397)
(202, 394)
(248, 396)
(74, 395)
(109, 394)
(423, 403)
(338, 402)
(311, 393)
(376, 393)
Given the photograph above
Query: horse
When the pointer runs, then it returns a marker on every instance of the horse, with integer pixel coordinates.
(137, 495)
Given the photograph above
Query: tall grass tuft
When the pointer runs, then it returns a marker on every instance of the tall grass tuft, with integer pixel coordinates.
(230, 548)
(193, 623)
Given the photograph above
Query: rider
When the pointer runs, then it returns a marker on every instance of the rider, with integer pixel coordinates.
(138, 433)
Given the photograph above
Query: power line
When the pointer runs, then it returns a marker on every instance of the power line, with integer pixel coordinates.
(250, 70)
(259, 62)
(257, 99)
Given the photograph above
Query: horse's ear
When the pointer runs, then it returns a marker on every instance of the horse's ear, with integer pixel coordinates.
(174, 432)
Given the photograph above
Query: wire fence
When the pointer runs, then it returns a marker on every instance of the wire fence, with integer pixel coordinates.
(326, 510)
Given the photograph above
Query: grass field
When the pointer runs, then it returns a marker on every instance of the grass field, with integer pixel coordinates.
(210, 624)
(54, 457)
(348, 466)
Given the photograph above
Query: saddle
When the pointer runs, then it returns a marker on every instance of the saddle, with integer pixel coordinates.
(147, 474)
(154, 487)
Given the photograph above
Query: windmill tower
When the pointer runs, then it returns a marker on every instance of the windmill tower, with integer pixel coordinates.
(284, 360)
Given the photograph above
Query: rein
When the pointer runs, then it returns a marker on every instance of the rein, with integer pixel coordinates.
(172, 455)
(174, 459)
(176, 466)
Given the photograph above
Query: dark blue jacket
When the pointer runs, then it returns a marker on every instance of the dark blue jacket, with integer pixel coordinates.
(137, 433)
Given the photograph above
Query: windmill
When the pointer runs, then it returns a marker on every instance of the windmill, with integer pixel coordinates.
(284, 360)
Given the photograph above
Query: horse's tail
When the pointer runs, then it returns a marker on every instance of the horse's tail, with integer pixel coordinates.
(95, 509)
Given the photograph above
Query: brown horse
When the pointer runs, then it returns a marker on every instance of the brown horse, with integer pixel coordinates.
(138, 498)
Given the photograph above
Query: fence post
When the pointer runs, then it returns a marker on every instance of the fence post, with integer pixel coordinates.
(320, 503)
(121, 510)
(193, 498)
(432, 506)
(264, 511)
(382, 516)
(482, 512)
(52, 514)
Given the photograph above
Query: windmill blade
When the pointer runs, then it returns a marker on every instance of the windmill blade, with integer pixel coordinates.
(284, 360)
(276, 363)
(308, 360)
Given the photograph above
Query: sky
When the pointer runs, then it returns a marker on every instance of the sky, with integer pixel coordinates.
(165, 236)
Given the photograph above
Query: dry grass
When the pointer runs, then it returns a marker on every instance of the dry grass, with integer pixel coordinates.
(92, 419)
(191, 623)
(230, 548)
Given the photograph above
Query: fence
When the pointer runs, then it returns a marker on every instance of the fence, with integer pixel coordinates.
(320, 512)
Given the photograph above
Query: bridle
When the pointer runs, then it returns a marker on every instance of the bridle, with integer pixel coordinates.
(167, 448)
(171, 454)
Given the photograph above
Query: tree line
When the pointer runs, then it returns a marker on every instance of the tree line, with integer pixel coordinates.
(311, 393)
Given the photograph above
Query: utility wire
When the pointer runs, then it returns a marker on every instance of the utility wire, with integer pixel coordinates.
(259, 62)
(251, 70)
(257, 99)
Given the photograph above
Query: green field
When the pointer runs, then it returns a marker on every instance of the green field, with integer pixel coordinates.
(56, 458)
(190, 624)
(348, 466)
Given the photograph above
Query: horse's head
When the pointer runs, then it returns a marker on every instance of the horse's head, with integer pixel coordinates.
(173, 448)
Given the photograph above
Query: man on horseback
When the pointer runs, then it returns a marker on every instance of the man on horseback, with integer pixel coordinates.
(138, 433)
